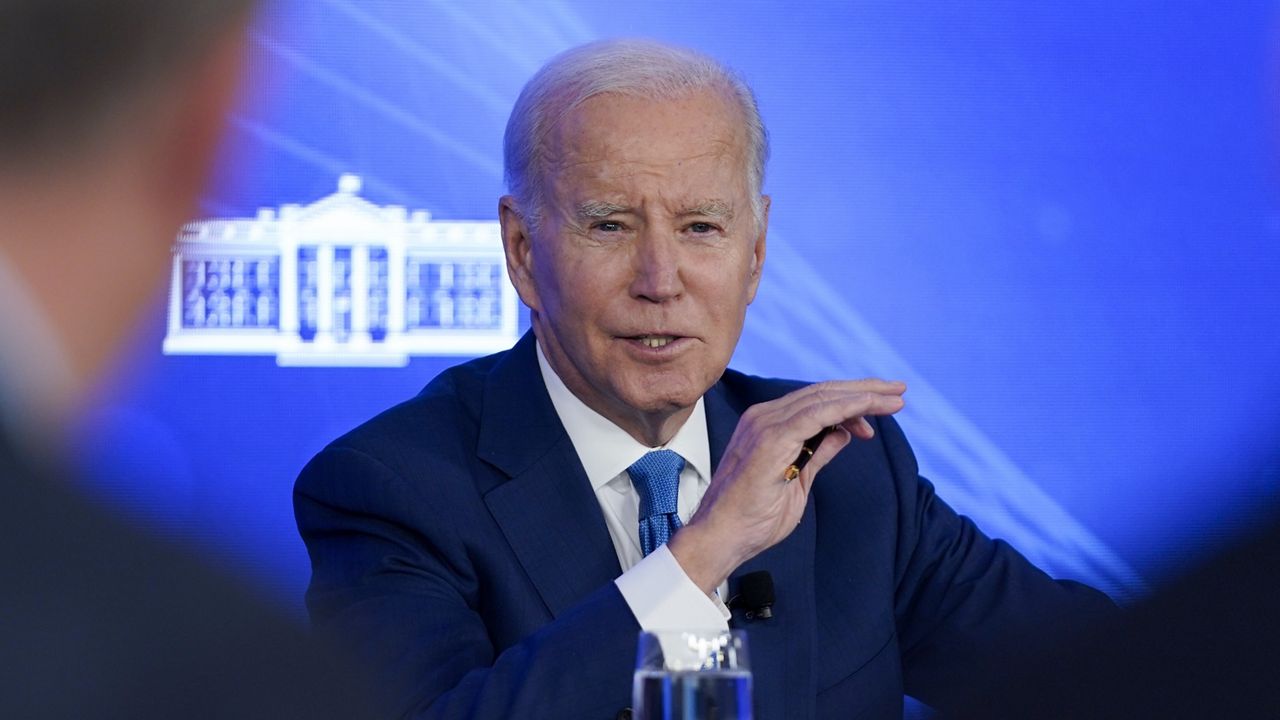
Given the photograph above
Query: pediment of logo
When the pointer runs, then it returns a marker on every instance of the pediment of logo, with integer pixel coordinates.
(343, 216)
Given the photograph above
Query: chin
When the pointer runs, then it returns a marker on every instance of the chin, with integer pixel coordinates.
(666, 399)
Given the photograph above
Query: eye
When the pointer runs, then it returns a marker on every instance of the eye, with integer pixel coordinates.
(701, 228)
(608, 226)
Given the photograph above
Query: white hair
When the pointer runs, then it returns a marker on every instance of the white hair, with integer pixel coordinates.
(639, 68)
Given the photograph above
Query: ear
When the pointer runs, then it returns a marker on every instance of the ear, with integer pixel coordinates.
(757, 251)
(517, 243)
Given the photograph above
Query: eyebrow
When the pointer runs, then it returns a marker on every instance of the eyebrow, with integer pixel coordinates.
(594, 209)
(598, 209)
(711, 208)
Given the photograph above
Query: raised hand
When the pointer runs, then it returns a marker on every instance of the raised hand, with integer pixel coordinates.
(750, 505)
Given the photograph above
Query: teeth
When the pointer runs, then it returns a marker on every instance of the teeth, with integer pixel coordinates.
(656, 341)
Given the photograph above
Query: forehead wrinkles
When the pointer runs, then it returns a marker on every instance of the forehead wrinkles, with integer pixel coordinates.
(624, 189)
(617, 168)
(593, 184)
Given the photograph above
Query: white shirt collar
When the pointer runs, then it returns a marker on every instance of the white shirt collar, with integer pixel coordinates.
(605, 449)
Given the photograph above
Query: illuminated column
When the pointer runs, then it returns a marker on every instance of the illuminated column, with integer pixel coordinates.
(324, 293)
(443, 295)
(360, 294)
(395, 284)
(176, 294)
(510, 310)
(287, 240)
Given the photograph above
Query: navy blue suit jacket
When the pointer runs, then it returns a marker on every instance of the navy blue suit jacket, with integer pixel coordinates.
(99, 619)
(457, 548)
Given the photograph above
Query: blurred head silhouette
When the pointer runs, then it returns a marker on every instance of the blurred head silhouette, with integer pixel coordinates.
(112, 115)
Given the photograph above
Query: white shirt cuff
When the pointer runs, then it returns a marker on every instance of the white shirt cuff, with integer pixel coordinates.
(662, 597)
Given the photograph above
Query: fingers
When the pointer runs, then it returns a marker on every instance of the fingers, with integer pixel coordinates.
(835, 389)
(846, 403)
(826, 452)
(750, 505)
(859, 428)
(841, 404)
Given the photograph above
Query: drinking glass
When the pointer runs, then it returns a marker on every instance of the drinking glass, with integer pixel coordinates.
(692, 675)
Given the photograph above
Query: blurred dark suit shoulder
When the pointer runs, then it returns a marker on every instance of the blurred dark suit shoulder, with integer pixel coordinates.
(97, 619)
(1207, 645)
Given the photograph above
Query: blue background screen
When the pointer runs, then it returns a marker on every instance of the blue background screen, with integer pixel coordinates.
(1056, 221)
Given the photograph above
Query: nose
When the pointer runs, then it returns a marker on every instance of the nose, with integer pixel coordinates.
(656, 265)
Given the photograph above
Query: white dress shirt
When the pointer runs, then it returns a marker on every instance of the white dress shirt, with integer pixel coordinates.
(656, 588)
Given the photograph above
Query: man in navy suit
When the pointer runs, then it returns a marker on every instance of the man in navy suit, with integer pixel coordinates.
(493, 546)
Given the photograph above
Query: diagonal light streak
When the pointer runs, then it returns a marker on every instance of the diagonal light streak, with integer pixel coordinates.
(571, 22)
(330, 164)
(541, 22)
(410, 47)
(496, 41)
(970, 471)
(386, 108)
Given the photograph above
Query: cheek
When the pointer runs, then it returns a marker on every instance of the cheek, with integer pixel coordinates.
(573, 297)
(730, 288)
(727, 314)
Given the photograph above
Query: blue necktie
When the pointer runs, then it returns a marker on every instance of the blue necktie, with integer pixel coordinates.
(656, 477)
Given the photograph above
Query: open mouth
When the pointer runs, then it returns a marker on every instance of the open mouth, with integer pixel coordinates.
(655, 341)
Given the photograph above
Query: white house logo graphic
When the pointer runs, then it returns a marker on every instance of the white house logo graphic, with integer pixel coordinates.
(340, 282)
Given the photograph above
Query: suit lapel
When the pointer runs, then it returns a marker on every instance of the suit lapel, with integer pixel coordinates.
(781, 648)
(546, 510)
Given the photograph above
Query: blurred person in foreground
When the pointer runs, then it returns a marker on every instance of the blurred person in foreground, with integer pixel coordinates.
(111, 115)
(1204, 645)
(493, 546)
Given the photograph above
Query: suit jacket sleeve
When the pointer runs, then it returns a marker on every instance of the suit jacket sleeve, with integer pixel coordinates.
(968, 609)
(395, 581)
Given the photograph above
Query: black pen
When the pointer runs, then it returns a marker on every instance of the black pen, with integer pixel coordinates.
(807, 450)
